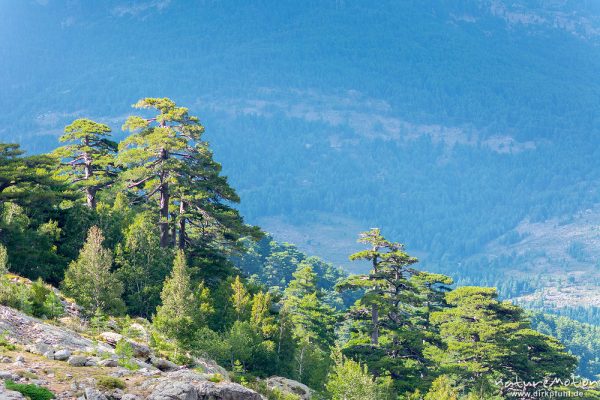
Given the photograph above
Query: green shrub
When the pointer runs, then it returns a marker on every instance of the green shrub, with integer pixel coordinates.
(16, 295)
(36, 299)
(98, 322)
(216, 378)
(109, 382)
(271, 394)
(4, 343)
(3, 260)
(44, 303)
(125, 352)
(33, 392)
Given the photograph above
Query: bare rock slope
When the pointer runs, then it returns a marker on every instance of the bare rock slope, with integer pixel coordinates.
(73, 366)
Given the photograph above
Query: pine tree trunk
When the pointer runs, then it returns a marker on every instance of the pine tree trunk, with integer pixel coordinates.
(90, 195)
(164, 216)
(375, 321)
(90, 192)
(182, 233)
(301, 363)
(374, 308)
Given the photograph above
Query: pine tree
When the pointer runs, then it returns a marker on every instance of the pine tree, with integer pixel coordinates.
(312, 323)
(240, 298)
(432, 289)
(486, 339)
(202, 198)
(28, 180)
(313, 320)
(387, 310)
(88, 158)
(388, 284)
(89, 279)
(260, 317)
(143, 266)
(155, 154)
(442, 389)
(177, 316)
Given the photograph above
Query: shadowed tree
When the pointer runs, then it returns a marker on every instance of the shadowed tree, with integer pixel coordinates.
(201, 200)
(27, 181)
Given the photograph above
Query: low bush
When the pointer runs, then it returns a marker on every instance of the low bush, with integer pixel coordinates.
(4, 343)
(109, 383)
(216, 378)
(36, 299)
(271, 394)
(33, 392)
(125, 352)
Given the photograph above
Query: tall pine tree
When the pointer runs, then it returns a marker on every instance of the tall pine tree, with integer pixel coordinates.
(166, 158)
(88, 158)
(384, 331)
(156, 153)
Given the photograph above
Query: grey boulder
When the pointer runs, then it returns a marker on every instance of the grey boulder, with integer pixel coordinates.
(77, 361)
(62, 355)
(291, 386)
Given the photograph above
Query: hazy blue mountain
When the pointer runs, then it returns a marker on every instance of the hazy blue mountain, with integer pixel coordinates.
(468, 130)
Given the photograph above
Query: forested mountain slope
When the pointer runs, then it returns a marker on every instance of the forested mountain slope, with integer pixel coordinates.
(450, 125)
(145, 229)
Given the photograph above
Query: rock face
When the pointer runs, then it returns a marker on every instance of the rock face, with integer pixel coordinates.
(210, 367)
(77, 357)
(162, 364)
(93, 394)
(40, 337)
(289, 386)
(189, 385)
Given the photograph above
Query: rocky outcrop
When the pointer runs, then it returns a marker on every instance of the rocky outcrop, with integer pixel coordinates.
(83, 362)
(189, 385)
(210, 367)
(225, 391)
(162, 364)
(94, 394)
(62, 355)
(77, 361)
(40, 338)
(286, 385)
